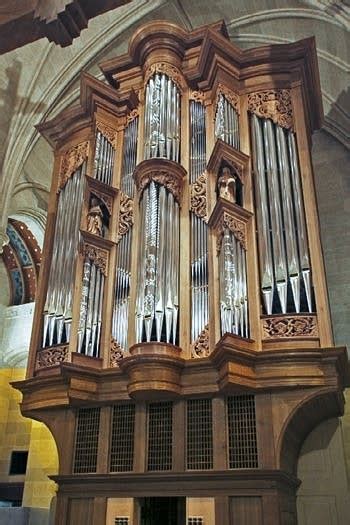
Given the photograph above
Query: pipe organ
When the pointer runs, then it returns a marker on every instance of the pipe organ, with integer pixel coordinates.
(177, 310)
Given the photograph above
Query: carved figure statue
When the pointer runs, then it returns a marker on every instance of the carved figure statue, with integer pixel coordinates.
(227, 185)
(94, 218)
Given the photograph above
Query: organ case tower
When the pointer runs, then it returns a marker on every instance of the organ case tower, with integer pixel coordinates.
(182, 347)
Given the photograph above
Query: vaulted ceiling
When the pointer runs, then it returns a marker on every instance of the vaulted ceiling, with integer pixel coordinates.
(41, 78)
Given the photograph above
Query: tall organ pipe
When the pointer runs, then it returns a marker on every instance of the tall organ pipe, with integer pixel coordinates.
(280, 210)
(233, 286)
(104, 159)
(58, 305)
(162, 118)
(226, 122)
(199, 229)
(123, 264)
(262, 208)
(157, 287)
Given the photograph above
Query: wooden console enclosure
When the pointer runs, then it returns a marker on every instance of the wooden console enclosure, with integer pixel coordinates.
(279, 354)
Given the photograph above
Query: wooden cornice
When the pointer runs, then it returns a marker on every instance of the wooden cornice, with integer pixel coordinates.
(176, 483)
(93, 93)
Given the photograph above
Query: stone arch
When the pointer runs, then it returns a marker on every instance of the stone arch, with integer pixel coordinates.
(317, 407)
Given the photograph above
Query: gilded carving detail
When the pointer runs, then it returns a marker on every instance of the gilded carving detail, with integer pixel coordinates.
(126, 214)
(97, 255)
(52, 356)
(232, 97)
(298, 326)
(200, 348)
(71, 160)
(199, 196)
(115, 354)
(169, 180)
(169, 70)
(108, 132)
(276, 105)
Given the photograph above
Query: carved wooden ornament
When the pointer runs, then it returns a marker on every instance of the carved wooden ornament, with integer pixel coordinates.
(199, 196)
(132, 115)
(71, 161)
(115, 353)
(168, 69)
(52, 356)
(237, 227)
(232, 97)
(293, 326)
(108, 132)
(200, 347)
(126, 214)
(97, 255)
(276, 105)
(197, 96)
(169, 180)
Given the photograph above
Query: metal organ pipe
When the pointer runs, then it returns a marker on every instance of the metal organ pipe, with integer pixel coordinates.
(157, 290)
(104, 159)
(282, 239)
(58, 305)
(226, 122)
(233, 286)
(162, 118)
(199, 228)
(123, 264)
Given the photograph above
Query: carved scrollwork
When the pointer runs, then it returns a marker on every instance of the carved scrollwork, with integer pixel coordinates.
(199, 196)
(71, 160)
(293, 326)
(108, 132)
(97, 255)
(126, 214)
(132, 115)
(115, 353)
(52, 356)
(169, 70)
(237, 227)
(200, 348)
(273, 104)
(198, 96)
(169, 180)
(232, 97)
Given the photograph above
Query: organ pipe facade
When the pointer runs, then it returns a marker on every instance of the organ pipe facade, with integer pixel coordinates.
(182, 305)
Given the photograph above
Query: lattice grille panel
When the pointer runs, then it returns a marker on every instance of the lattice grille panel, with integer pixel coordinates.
(122, 439)
(121, 521)
(199, 434)
(86, 440)
(195, 520)
(243, 450)
(160, 427)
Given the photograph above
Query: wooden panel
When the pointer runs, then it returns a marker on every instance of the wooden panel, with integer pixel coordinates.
(80, 510)
(246, 511)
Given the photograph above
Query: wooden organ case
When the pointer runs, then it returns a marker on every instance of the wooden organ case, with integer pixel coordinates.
(182, 345)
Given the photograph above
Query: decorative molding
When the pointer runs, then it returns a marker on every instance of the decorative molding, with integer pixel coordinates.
(231, 96)
(169, 70)
(126, 214)
(290, 326)
(108, 132)
(97, 255)
(273, 104)
(115, 353)
(51, 356)
(198, 96)
(198, 203)
(71, 160)
(200, 347)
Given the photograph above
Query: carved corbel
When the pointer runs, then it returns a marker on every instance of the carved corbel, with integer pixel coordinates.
(273, 104)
